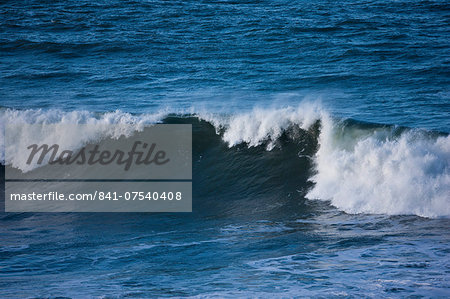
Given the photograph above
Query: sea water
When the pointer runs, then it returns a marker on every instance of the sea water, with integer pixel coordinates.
(321, 148)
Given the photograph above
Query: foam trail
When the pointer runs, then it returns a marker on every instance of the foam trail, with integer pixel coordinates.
(382, 174)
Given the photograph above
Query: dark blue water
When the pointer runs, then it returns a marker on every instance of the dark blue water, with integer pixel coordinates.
(360, 212)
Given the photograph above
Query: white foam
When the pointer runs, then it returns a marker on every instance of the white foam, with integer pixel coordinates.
(263, 124)
(56, 127)
(409, 174)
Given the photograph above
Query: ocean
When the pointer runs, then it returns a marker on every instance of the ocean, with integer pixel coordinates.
(320, 151)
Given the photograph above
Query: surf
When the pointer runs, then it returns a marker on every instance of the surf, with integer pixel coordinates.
(285, 151)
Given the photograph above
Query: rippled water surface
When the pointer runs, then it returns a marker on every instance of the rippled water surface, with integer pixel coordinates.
(383, 61)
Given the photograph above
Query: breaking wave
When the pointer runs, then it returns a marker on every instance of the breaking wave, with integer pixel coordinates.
(357, 167)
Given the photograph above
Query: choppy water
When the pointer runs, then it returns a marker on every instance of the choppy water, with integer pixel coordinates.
(321, 147)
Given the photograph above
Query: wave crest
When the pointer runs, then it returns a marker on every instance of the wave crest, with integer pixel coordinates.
(57, 127)
(263, 126)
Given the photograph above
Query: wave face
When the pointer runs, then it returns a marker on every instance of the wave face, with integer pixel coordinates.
(357, 167)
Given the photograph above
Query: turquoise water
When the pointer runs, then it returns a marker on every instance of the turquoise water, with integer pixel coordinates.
(321, 147)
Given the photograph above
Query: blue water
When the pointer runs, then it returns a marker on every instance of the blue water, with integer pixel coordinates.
(254, 231)
(382, 61)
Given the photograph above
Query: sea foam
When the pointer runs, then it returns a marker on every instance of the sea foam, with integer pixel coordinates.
(26, 127)
(383, 174)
